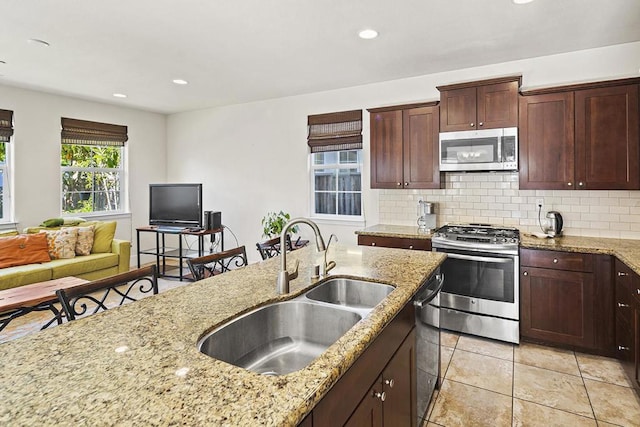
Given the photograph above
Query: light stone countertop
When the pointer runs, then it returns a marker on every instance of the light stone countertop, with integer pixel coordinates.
(73, 374)
(626, 250)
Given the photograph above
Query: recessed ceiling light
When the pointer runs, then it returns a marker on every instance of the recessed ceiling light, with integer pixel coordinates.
(38, 42)
(522, 1)
(180, 82)
(368, 34)
(119, 95)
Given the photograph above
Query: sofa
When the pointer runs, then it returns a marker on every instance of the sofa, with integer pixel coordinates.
(23, 258)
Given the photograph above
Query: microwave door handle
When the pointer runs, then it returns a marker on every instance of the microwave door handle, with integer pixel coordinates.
(480, 258)
(499, 159)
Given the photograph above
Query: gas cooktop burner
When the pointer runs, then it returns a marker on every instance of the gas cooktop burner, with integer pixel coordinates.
(473, 234)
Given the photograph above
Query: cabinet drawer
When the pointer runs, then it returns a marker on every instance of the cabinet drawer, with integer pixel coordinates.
(395, 242)
(627, 279)
(569, 261)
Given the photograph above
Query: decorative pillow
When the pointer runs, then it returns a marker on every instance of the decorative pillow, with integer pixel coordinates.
(103, 235)
(70, 221)
(8, 233)
(23, 249)
(52, 222)
(85, 239)
(62, 243)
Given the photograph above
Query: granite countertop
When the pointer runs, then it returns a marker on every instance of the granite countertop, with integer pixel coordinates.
(626, 250)
(138, 364)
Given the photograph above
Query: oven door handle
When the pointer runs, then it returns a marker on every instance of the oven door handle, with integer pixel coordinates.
(480, 258)
(424, 301)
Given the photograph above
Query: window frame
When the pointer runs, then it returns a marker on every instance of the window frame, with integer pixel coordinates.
(121, 170)
(312, 199)
(7, 170)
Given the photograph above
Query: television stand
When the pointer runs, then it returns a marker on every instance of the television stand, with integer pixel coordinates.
(162, 252)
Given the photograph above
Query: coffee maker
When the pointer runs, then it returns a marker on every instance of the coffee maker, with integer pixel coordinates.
(554, 223)
(426, 216)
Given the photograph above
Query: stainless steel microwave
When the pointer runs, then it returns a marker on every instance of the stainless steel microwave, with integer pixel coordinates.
(479, 150)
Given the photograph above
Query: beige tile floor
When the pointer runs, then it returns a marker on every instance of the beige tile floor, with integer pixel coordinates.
(490, 383)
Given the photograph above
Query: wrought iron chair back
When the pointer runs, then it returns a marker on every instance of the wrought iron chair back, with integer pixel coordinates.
(90, 298)
(270, 248)
(217, 263)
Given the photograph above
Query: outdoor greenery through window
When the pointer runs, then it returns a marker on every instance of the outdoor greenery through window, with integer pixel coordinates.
(337, 183)
(91, 178)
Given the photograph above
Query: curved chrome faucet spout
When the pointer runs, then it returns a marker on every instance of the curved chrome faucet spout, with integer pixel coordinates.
(282, 285)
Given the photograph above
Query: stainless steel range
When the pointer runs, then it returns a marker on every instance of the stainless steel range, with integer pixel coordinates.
(480, 295)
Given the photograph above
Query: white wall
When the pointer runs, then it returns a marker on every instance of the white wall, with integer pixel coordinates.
(36, 153)
(252, 158)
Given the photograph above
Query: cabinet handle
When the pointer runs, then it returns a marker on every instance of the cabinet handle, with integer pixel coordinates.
(382, 396)
(569, 184)
(620, 347)
(623, 305)
(406, 184)
(580, 184)
(411, 247)
(622, 274)
(526, 273)
(472, 124)
(390, 382)
(373, 243)
(638, 291)
(399, 184)
(481, 124)
(555, 260)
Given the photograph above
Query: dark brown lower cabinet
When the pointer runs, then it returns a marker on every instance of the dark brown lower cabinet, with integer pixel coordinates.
(628, 321)
(395, 242)
(567, 300)
(379, 389)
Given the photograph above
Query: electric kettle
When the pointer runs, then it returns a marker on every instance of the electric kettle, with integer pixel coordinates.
(554, 223)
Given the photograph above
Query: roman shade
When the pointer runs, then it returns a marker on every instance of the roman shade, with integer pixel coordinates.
(335, 131)
(83, 132)
(6, 125)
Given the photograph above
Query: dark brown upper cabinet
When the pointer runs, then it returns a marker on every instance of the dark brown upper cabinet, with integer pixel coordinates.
(487, 104)
(583, 137)
(404, 146)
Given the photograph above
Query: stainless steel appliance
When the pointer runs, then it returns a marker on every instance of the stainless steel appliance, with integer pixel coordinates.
(426, 302)
(480, 295)
(554, 223)
(479, 150)
(426, 216)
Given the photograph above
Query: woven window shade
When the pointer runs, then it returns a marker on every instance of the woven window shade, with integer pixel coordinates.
(335, 131)
(82, 132)
(6, 125)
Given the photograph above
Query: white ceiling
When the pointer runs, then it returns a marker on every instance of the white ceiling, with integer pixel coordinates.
(237, 51)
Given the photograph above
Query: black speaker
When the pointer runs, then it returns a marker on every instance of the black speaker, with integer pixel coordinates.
(212, 220)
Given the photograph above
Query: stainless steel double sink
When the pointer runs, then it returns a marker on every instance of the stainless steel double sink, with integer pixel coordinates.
(286, 336)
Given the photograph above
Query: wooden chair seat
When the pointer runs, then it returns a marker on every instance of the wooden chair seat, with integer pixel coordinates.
(270, 248)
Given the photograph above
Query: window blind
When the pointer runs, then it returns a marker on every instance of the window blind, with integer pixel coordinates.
(335, 131)
(6, 125)
(83, 132)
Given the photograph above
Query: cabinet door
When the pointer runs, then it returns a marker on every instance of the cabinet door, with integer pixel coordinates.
(399, 385)
(557, 306)
(386, 149)
(607, 140)
(395, 242)
(458, 110)
(369, 412)
(420, 128)
(497, 105)
(546, 140)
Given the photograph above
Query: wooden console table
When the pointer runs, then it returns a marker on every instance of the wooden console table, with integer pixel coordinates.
(41, 296)
(162, 251)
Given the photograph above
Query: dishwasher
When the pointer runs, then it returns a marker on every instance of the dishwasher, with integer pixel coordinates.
(427, 307)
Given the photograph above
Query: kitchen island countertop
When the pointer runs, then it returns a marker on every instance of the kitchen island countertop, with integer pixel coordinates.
(138, 364)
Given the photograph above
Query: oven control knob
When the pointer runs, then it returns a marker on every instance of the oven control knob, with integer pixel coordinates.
(504, 240)
(473, 301)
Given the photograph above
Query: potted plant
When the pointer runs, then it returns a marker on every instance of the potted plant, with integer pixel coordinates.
(273, 223)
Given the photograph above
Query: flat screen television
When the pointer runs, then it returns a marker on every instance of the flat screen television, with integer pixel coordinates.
(175, 205)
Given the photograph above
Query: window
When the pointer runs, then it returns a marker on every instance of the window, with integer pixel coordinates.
(6, 131)
(337, 183)
(92, 166)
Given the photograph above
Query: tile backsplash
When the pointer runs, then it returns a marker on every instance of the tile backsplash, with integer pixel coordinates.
(495, 198)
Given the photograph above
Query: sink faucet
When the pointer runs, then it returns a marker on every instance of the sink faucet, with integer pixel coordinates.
(325, 267)
(282, 285)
